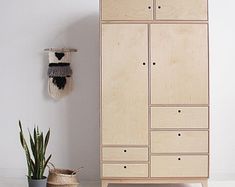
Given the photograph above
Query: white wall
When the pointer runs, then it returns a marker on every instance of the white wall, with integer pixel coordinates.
(27, 27)
(222, 57)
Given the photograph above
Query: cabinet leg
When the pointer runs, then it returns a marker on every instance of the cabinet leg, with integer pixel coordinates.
(205, 183)
(104, 183)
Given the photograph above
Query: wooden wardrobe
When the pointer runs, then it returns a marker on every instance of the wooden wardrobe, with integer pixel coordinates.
(154, 91)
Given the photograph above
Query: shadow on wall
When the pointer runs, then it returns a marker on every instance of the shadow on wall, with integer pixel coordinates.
(82, 104)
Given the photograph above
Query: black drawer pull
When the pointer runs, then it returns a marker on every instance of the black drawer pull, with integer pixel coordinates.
(179, 134)
(125, 150)
(179, 111)
(159, 7)
(149, 7)
(124, 167)
(144, 63)
(154, 63)
(179, 158)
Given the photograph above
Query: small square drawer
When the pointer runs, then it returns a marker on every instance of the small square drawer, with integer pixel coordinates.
(125, 170)
(179, 166)
(181, 9)
(124, 154)
(127, 10)
(179, 142)
(179, 117)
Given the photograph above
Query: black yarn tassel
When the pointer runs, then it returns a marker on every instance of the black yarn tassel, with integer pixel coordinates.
(60, 82)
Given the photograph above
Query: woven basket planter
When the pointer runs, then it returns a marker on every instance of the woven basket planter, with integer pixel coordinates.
(62, 178)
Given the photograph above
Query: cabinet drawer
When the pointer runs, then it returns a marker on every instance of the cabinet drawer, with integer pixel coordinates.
(179, 117)
(124, 154)
(181, 9)
(125, 170)
(179, 166)
(179, 142)
(127, 10)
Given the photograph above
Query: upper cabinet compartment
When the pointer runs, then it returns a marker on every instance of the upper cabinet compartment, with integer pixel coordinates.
(127, 9)
(181, 9)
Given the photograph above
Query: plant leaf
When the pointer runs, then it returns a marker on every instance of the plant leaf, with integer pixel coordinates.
(26, 149)
(32, 144)
(38, 145)
(46, 162)
(47, 140)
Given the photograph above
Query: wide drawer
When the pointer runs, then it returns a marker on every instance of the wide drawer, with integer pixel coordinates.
(179, 166)
(124, 154)
(125, 170)
(179, 142)
(127, 10)
(179, 117)
(181, 9)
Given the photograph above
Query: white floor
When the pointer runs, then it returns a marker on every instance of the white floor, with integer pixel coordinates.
(10, 182)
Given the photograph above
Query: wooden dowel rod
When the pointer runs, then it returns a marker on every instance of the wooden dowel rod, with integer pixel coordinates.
(61, 50)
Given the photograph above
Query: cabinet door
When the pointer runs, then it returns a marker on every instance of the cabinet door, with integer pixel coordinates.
(179, 64)
(124, 84)
(181, 9)
(127, 9)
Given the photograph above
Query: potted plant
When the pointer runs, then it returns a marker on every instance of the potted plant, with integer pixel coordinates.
(35, 156)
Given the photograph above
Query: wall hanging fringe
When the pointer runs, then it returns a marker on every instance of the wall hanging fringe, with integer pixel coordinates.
(60, 82)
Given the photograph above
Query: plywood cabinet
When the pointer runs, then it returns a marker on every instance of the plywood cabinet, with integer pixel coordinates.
(154, 120)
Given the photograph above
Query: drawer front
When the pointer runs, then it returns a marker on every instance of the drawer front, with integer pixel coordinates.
(181, 9)
(124, 154)
(179, 166)
(179, 117)
(125, 170)
(127, 10)
(179, 142)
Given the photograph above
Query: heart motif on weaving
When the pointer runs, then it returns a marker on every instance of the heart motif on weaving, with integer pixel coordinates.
(59, 56)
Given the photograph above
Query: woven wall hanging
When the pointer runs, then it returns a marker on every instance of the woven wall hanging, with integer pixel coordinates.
(60, 81)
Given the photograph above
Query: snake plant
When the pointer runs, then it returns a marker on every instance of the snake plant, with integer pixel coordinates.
(35, 154)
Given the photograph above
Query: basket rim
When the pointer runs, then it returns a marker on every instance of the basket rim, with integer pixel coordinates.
(54, 183)
(62, 174)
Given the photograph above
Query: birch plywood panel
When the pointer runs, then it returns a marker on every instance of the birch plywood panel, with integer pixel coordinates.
(127, 9)
(180, 73)
(125, 170)
(179, 142)
(181, 9)
(179, 117)
(124, 84)
(125, 154)
(179, 166)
